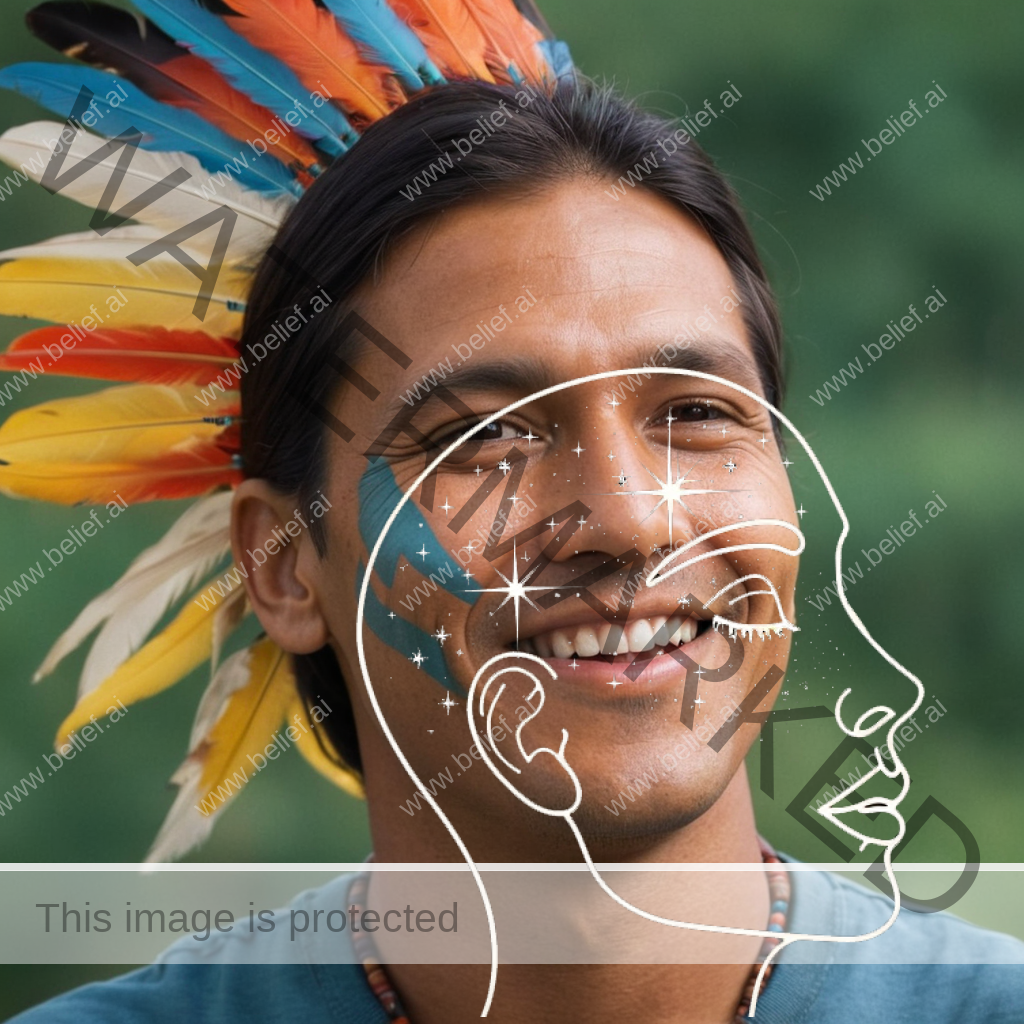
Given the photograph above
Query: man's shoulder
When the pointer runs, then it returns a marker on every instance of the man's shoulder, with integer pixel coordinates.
(925, 966)
(215, 993)
(238, 976)
(915, 937)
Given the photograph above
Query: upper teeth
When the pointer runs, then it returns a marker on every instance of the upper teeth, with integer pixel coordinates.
(588, 641)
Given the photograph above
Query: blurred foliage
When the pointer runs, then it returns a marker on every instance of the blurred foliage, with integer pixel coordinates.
(940, 207)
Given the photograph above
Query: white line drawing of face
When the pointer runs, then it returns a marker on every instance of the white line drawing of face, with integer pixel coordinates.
(870, 722)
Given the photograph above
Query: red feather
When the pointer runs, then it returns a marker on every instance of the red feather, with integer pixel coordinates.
(153, 356)
(310, 41)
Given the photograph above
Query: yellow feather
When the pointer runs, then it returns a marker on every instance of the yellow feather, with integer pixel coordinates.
(320, 758)
(133, 423)
(249, 720)
(160, 293)
(241, 710)
(144, 440)
(75, 483)
(184, 645)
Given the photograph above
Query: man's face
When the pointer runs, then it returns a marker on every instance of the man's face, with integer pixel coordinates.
(509, 297)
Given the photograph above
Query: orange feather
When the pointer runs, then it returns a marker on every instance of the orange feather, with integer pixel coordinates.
(310, 41)
(511, 39)
(451, 35)
(154, 356)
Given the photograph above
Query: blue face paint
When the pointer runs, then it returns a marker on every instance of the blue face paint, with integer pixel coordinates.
(404, 637)
(379, 495)
(409, 534)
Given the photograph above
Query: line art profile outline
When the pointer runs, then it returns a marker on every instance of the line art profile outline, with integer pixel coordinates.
(862, 728)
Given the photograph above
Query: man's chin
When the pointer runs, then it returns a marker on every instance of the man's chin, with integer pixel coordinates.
(618, 821)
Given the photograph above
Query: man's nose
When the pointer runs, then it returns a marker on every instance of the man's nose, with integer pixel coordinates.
(635, 491)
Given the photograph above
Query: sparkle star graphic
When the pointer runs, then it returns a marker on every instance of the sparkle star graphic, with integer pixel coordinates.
(578, 450)
(504, 467)
(448, 703)
(418, 658)
(730, 465)
(613, 403)
(447, 508)
(515, 589)
(423, 552)
(671, 490)
(530, 437)
(440, 636)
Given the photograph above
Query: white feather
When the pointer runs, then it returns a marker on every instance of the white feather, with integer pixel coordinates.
(29, 147)
(150, 585)
(228, 679)
(120, 243)
(185, 826)
(228, 615)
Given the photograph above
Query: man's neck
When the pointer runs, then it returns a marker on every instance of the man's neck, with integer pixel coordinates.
(675, 985)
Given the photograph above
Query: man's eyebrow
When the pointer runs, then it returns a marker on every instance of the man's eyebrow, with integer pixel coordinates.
(517, 374)
(712, 356)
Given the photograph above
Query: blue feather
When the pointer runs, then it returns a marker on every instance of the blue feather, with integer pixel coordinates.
(163, 128)
(387, 40)
(557, 55)
(263, 77)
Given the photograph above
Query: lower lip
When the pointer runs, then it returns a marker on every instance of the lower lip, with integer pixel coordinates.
(593, 676)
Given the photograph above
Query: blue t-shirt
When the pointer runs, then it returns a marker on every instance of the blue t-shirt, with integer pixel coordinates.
(927, 969)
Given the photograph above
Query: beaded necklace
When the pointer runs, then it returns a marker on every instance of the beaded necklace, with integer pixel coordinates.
(779, 893)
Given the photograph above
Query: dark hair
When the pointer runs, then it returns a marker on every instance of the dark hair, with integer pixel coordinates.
(344, 225)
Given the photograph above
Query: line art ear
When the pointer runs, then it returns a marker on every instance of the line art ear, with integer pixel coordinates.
(516, 766)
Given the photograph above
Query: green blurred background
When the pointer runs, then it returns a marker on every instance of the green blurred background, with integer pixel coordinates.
(941, 207)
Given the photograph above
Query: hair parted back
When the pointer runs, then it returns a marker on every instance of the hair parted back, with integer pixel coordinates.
(343, 227)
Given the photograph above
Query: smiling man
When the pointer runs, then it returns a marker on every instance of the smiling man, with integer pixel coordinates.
(618, 483)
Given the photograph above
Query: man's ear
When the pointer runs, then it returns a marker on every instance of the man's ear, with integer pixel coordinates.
(270, 540)
(540, 776)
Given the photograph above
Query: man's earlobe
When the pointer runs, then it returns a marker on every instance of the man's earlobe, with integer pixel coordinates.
(271, 544)
(541, 777)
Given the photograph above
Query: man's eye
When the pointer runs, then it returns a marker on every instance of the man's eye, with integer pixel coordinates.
(694, 412)
(500, 430)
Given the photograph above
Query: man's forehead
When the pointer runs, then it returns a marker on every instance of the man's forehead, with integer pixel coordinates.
(573, 246)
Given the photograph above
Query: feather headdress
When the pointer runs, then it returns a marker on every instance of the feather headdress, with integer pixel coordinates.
(162, 100)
